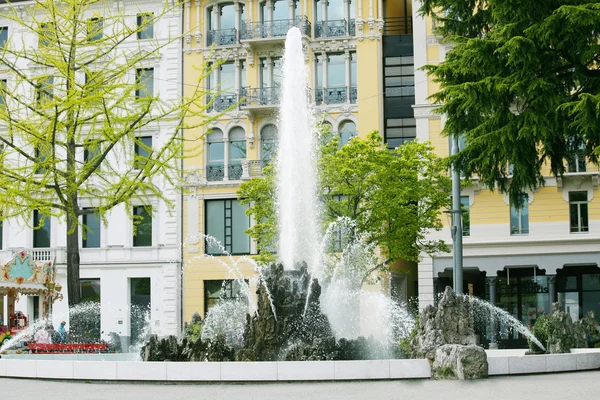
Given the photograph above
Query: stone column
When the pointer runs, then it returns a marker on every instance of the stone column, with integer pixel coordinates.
(323, 10)
(269, 62)
(551, 290)
(291, 9)
(347, 67)
(325, 82)
(236, 7)
(269, 5)
(347, 15)
(226, 161)
(217, 16)
(237, 79)
(493, 327)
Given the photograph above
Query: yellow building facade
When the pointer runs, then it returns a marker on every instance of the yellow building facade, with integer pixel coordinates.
(525, 259)
(344, 42)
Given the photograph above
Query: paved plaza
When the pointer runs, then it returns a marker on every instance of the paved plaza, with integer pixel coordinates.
(566, 386)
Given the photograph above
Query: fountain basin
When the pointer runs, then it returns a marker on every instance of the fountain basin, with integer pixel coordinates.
(91, 367)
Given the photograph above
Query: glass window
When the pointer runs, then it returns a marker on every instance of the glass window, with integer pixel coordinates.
(347, 131)
(44, 91)
(216, 148)
(227, 16)
(142, 226)
(216, 291)
(578, 211)
(353, 69)
(41, 230)
(277, 71)
(591, 281)
(399, 131)
(280, 10)
(243, 71)
(46, 34)
(145, 26)
(94, 29)
(226, 221)
(466, 215)
(318, 11)
(144, 82)
(335, 10)
(91, 230)
(142, 150)
(336, 70)
(3, 36)
(41, 155)
(576, 158)
(268, 137)
(519, 217)
(3, 83)
(91, 150)
(319, 72)
(227, 76)
(237, 145)
(90, 290)
(140, 300)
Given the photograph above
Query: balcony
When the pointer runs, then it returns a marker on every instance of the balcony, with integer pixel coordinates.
(222, 37)
(261, 97)
(397, 26)
(221, 102)
(215, 173)
(337, 95)
(235, 172)
(335, 28)
(274, 29)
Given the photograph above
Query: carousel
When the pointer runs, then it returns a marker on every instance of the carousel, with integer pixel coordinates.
(27, 276)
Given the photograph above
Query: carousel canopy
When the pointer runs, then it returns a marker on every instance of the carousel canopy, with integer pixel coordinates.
(26, 275)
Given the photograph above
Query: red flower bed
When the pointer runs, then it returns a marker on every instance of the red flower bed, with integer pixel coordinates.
(68, 347)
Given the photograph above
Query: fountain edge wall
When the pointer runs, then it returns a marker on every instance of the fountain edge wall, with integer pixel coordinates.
(501, 362)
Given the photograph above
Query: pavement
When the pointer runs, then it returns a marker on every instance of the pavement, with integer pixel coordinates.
(565, 386)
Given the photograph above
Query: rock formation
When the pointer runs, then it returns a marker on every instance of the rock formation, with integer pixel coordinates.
(446, 336)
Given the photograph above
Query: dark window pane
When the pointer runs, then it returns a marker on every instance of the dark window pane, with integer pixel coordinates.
(590, 281)
(226, 221)
(142, 222)
(41, 233)
(578, 196)
(144, 80)
(466, 216)
(216, 291)
(94, 29)
(90, 290)
(142, 148)
(3, 35)
(91, 235)
(145, 26)
(583, 218)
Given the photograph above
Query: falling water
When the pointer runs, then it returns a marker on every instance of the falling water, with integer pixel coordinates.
(489, 312)
(296, 163)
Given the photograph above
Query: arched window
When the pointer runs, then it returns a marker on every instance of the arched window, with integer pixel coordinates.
(268, 140)
(347, 131)
(237, 152)
(216, 156)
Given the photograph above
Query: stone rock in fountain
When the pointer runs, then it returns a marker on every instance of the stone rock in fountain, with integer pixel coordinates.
(558, 333)
(454, 361)
(446, 336)
(298, 330)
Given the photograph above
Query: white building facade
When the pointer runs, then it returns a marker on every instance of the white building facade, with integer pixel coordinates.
(128, 275)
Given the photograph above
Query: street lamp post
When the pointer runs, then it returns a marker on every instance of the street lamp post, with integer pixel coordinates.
(457, 254)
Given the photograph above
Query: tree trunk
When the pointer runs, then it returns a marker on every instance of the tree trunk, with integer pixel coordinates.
(73, 260)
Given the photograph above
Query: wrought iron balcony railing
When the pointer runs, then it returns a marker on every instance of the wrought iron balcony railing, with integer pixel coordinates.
(269, 96)
(222, 37)
(336, 95)
(215, 173)
(221, 101)
(397, 26)
(332, 28)
(235, 172)
(271, 29)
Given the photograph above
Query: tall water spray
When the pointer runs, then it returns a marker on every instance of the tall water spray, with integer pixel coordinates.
(296, 163)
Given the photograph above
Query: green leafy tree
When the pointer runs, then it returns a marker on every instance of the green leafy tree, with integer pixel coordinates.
(85, 89)
(522, 83)
(394, 197)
